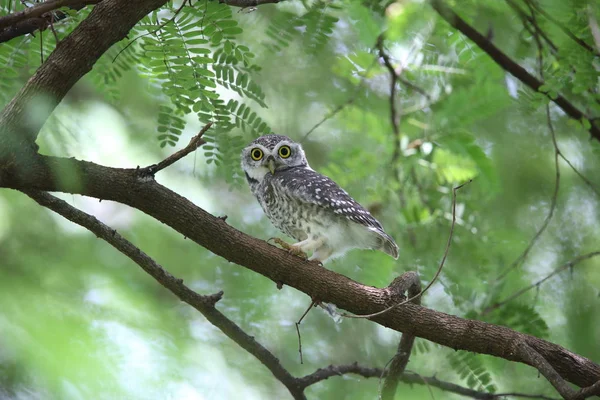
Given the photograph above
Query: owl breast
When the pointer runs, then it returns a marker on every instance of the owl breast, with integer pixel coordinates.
(288, 211)
(308, 206)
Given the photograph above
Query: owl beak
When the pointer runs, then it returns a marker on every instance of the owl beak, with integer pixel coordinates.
(271, 165)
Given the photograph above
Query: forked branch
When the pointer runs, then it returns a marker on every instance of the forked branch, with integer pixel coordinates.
(204, 304)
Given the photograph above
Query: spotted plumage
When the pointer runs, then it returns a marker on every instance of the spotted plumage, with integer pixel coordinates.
(306, 205)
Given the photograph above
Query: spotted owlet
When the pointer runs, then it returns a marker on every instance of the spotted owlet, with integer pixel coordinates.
(306, 205)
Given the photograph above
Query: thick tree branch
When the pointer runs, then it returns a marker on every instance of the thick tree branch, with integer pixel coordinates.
(128, 187)
(538, 361)
(204, 304)
(509, 65)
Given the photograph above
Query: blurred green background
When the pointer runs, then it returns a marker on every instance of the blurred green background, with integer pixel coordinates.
(78, 320)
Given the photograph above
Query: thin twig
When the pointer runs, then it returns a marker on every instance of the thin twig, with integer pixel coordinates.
(194, 143)
(563, 28)
(424, 380)
(537, 284)
(397, 72)
(437, 273)
(381, 376)
(589, 183)
(530, 23)
(348, 102)
(409, 378)
(393, 111)
(554, 198)
(553, 202)
(183, 4)
(312, 304)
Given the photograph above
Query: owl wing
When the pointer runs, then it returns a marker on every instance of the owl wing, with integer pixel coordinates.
(311, 187)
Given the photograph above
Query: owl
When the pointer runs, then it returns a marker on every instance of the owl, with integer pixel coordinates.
(306, 205)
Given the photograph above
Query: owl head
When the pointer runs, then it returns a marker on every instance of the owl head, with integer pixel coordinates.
(272, 153)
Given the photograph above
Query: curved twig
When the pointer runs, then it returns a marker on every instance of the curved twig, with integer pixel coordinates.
(437, 273)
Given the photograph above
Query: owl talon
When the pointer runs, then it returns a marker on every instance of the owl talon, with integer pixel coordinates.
(290, 248)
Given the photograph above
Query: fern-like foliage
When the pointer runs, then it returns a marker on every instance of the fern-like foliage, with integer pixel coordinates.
(520, 317)
(13, 60)
(470, 368)
(192, 55)
(313, 28)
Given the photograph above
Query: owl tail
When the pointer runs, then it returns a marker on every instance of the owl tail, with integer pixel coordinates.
(387, 244)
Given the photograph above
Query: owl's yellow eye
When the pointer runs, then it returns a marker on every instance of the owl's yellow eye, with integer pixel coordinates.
(256, 154)
(285, 151)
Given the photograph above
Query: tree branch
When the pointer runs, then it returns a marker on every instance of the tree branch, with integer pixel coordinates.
(37, 10)
(29, 25)
(204, 304)
(509, 65)
(535, 359)
(593, 390)
(248, 3)
(538, 361)
(409, 378)
(531, 20)
(126, 186)
(393, 111)
(409, 283)
(194, 143)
